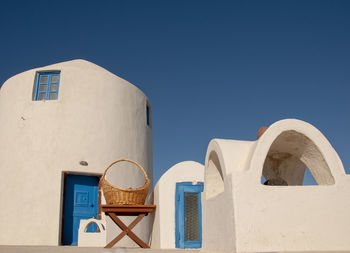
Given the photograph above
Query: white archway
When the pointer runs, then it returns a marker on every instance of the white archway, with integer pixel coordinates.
(290, 154)
(288, 147)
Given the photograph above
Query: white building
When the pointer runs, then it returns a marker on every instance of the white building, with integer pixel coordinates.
(62, 124)
(253, 217)
(240, 212)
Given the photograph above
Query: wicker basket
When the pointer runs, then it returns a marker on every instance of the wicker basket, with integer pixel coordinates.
(119, 196)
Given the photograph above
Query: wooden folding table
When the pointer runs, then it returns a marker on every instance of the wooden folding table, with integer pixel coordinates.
(140, 211)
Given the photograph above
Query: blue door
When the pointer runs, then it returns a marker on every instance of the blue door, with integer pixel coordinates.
(188, 215)
(81, 202)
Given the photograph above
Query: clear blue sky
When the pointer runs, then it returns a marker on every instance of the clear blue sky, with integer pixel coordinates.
(211, 69)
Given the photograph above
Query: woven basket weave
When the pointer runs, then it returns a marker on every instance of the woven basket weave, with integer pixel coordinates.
(120, 196)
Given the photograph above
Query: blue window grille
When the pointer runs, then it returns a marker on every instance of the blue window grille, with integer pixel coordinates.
(47, 86)
(188, 215)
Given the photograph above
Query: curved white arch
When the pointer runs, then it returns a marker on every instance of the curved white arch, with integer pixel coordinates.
(214, 171)
(301, 139)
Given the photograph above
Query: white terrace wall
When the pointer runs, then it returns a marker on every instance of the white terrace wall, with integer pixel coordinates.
(241, 214)
(163, 233)
(97, 118)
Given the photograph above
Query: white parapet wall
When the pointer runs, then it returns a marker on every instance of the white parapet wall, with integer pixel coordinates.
(242, 214)
(97, 118)
(163, 234)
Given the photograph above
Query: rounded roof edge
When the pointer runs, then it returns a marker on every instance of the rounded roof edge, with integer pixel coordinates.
(180, 164)
(224, 148)
(78, 63)
(186, 162)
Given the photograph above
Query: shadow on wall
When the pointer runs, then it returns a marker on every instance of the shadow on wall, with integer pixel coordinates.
(214, 177)
(290, 156)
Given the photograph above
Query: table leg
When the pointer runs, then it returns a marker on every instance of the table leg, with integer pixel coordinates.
(126, 231)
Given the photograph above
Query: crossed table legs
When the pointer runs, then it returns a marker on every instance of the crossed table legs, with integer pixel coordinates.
(127, 210)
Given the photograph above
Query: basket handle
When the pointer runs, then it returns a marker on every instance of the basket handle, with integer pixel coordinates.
(126, 160)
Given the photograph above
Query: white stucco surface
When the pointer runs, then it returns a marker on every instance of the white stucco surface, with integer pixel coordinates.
(247, 216)
(92, 239)
(163, 233)
(98, 118)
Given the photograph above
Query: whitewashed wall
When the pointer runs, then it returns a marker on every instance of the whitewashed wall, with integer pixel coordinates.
(97, 118)
(247, 216)
(163, 234)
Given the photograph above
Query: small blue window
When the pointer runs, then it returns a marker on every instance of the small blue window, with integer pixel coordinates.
(188, 215)
(148, 116)
(47, 86)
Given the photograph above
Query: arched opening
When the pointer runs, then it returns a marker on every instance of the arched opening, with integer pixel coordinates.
(214, 181)
(92, 227)
(290, 155)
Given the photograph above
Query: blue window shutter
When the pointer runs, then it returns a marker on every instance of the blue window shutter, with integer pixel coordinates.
(179, 243)
(188, 212)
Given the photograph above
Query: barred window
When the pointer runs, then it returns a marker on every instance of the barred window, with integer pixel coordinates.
(47, 86)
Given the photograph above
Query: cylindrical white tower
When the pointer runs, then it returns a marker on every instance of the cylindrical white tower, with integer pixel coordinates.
(68, 118)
